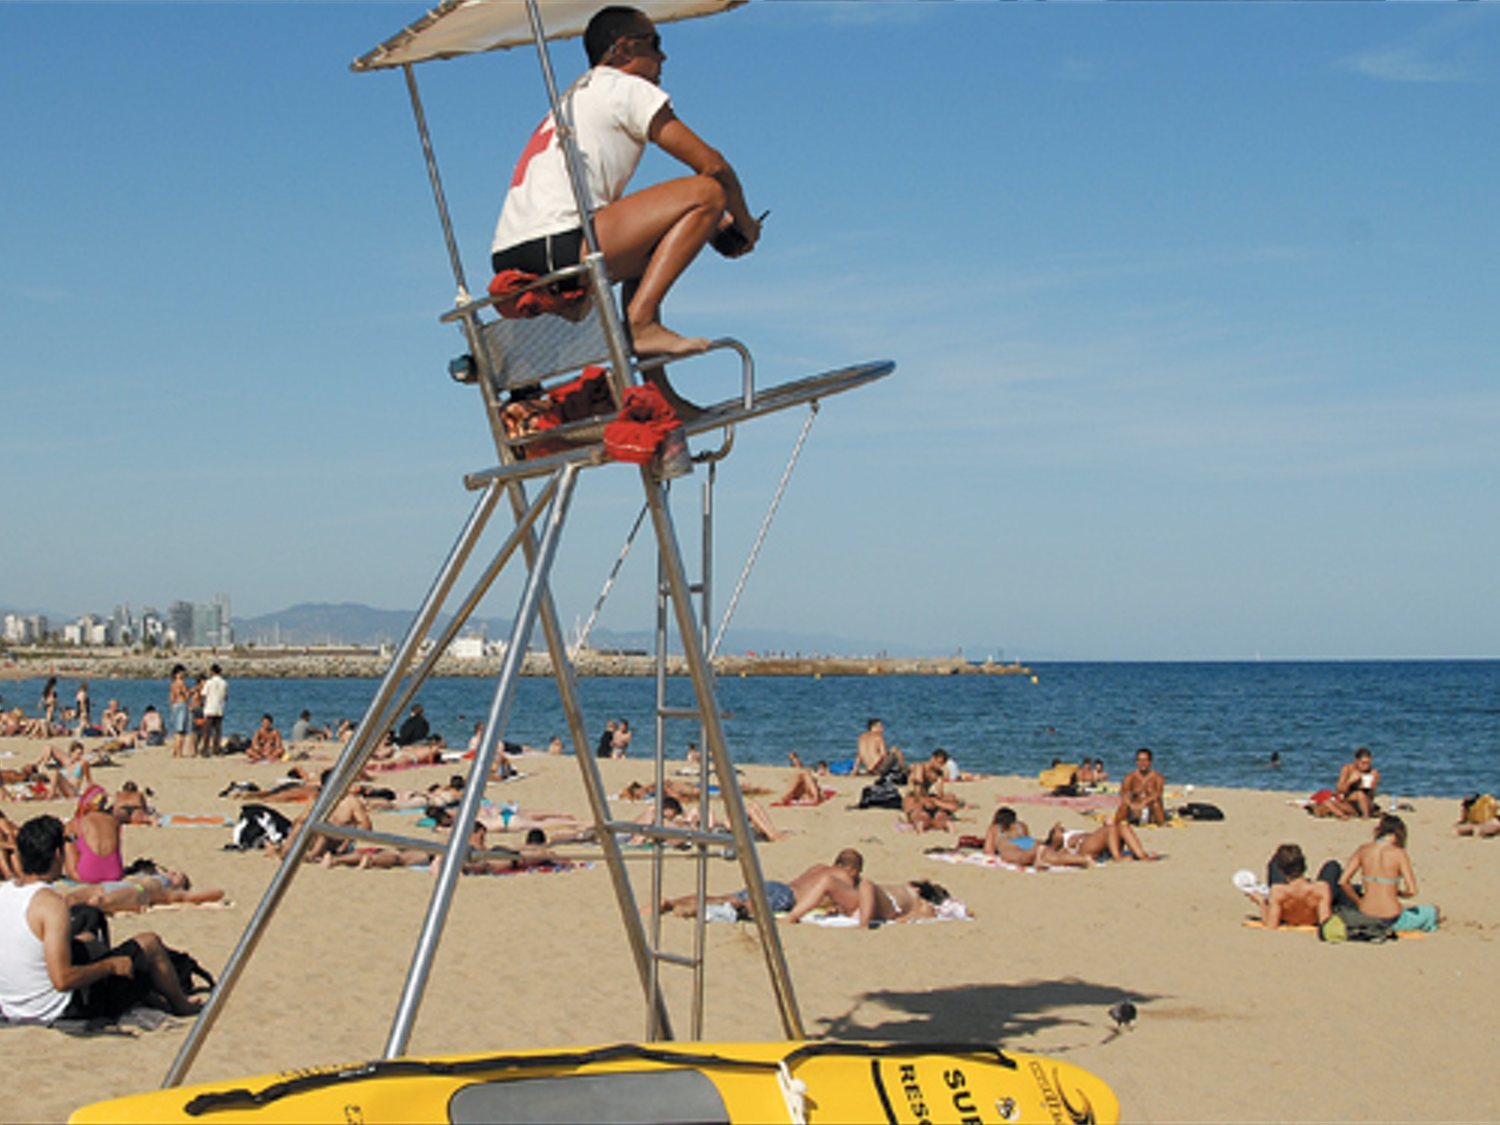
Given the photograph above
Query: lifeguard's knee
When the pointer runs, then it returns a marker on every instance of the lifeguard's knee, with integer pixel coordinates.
(708, 193)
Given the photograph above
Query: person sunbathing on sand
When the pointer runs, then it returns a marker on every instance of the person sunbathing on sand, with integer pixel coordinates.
(378, 858)
(131, 806)
(781, 897)
(532, 854)
(1118, 840)
(141, 888)
(442, 795)
(1479, 815)
(805, 788)
(350, 811)
(298, 784)
(1357, 786)
(923, 809)
(1008, 838)
(914, 901)
(836, 886)
(1385, 874)
(1291, 898)
(510, 818)
(389, 755)
(847, 892)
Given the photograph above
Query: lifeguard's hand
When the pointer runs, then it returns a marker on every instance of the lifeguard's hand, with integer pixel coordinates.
(733, 240)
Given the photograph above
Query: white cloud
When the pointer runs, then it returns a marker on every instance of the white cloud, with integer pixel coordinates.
(1446, 50)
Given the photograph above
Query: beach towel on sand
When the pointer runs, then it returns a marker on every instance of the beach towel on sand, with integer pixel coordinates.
(193, 820)
(1086, 803)
(979, 859)
(950, 911)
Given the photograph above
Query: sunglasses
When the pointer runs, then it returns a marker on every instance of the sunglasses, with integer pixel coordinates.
(652, 37)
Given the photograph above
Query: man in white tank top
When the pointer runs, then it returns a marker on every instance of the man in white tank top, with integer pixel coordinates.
(39, 981)
(649, 236)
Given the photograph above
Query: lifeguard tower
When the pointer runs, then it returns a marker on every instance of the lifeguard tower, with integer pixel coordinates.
(509, 358)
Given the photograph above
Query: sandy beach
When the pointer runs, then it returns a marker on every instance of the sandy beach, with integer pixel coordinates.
(1235, 1024)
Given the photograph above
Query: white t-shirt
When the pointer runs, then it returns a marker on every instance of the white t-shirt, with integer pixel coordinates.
(612, 112)
(215, 692)
(26, 991)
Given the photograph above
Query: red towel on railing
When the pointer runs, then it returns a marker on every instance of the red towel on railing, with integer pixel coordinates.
(534, 302)
(645, 420)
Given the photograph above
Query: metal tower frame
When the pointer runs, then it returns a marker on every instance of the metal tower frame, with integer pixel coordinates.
(501, 358)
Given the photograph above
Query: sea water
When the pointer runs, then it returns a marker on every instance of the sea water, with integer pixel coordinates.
(1434, 726)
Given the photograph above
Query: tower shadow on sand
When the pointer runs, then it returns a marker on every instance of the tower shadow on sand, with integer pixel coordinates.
(988, 1013)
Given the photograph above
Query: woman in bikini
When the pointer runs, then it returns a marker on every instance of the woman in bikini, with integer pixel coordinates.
(1385, 875)
(905, 902)
(71, 774)
(1008, 838)
(1119, 841)
(131, 806)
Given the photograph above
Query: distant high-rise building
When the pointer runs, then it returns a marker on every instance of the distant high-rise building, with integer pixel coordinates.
(180, 621)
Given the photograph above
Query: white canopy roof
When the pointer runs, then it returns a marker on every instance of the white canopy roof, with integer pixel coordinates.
(466, 27)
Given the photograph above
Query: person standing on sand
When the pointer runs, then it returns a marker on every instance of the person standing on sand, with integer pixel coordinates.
(215, 694)
(48, 707)
(81, 705)
(1141, 793)
(178, 720)
(648, 237)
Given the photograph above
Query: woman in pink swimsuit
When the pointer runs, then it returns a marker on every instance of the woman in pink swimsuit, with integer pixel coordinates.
(92, 853)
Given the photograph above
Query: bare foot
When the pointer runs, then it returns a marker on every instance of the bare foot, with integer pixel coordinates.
(657, 339)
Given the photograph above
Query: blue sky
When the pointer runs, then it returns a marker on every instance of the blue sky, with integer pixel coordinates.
(1193, 307)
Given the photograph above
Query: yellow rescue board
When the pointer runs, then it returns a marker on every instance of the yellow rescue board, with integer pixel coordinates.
(902, 1084)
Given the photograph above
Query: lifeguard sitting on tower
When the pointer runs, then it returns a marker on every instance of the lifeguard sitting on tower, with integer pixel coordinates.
(649, 237)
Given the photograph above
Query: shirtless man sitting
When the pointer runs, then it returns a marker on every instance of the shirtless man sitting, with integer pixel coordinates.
(1141, 793)
(350, 811)
(1292, 898)
(266, 744)
(872, 755)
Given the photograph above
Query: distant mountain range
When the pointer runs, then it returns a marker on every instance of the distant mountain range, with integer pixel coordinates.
(321, 623)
